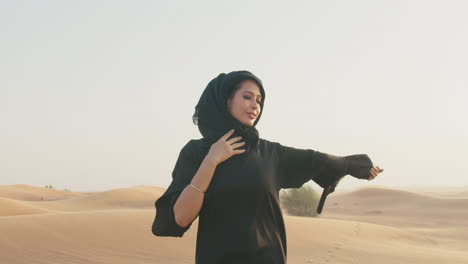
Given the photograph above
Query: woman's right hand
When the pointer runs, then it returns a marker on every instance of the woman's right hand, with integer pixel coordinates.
(223, 149)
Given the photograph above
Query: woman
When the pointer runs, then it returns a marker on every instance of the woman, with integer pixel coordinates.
(231, 178)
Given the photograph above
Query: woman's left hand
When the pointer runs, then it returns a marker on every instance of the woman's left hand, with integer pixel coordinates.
(374, 172)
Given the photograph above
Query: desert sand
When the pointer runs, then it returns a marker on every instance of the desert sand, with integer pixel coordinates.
(370, 225)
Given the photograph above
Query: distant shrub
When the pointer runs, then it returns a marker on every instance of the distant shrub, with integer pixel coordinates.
(49, 186)
(301, 201)
(67, 190)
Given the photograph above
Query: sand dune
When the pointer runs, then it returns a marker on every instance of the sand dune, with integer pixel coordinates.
(324, 240)
(32, 193)
(135, 197)
(459, 191)
(10, 207)
(397, 207)
(115, 227)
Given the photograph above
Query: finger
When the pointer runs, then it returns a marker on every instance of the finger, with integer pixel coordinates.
(239, 151)
(228, 134)
(234, 146)
(232, 140)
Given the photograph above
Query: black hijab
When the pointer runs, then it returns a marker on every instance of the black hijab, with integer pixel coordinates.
(213, 118)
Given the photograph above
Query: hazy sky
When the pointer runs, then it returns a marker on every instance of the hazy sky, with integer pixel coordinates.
(96, 95)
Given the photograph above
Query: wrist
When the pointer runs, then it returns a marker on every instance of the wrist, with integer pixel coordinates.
(210, 161)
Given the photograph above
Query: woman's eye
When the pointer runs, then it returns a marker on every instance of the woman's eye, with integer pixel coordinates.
(248, 97)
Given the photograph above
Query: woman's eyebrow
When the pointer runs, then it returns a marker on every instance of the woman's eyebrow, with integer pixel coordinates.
(254, 94)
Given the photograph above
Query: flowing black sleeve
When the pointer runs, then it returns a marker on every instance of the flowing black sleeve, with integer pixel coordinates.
(164, 223)
(359, 166)
(298, 166)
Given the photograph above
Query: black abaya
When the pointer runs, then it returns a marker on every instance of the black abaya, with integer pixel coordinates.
(241, 220)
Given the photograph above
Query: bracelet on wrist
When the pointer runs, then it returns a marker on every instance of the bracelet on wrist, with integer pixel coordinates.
(196, 188)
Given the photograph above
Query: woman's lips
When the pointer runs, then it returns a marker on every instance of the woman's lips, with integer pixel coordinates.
(251, 116)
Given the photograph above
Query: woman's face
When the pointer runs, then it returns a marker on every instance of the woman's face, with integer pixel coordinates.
(244, 105)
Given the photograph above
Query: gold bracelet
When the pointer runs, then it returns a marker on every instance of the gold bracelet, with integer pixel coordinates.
(196, 188)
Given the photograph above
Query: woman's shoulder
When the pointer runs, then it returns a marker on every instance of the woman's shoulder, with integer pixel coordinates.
(269, 144)
(195, 148)
(195, 145)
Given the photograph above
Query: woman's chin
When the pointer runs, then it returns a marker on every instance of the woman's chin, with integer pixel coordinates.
(249, 123)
